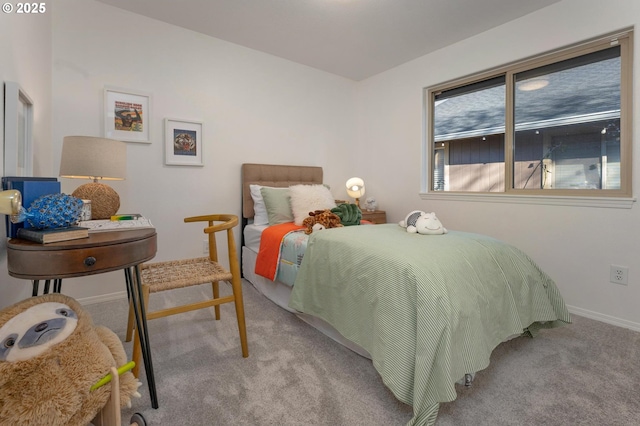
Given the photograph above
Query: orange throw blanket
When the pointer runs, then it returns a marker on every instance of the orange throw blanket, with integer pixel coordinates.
(269, 254)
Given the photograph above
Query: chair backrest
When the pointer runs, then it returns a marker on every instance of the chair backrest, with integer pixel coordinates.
(217, 223)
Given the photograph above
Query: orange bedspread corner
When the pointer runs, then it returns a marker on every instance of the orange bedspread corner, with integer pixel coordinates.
(269, 254)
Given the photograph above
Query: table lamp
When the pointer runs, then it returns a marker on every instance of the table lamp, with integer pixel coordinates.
(355, 189)
(87, 157)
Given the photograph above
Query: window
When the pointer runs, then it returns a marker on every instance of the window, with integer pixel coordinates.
(559, 124)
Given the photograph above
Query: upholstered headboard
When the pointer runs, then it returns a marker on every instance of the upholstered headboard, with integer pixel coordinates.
(274, 175)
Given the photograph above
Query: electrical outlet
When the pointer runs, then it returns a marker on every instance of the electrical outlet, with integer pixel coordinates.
(619, 274)
(205, 246)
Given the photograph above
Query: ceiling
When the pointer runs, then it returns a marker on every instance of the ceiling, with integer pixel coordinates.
(351, 38)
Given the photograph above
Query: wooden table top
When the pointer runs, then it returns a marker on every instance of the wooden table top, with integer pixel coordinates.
(101, 252)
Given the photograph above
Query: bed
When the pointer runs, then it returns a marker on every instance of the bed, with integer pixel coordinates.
(428, 310)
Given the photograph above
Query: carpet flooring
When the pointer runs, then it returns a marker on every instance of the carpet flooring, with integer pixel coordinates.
(587, 373)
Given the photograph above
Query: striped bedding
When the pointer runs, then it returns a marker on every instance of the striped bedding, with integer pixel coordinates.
(428, 308)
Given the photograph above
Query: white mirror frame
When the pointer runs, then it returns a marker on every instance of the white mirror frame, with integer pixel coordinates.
(18, 131)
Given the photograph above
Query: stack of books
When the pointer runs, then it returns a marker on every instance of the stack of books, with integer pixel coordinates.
(52, 235)
(84, 228)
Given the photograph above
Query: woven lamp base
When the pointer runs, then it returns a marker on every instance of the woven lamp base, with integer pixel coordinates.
(105, 201)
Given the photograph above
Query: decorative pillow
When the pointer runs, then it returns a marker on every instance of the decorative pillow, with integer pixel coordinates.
(260, 216)
(276, 201)
(309, 198)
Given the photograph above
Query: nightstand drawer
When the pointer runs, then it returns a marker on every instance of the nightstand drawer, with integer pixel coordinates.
(376, 216)
(101, 252)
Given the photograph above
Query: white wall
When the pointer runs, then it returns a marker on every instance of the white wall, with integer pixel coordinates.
(255, 108)
(25, 58)
(575, 245)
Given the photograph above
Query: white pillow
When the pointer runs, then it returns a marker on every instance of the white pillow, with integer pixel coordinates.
(308, 198)
(259, 208)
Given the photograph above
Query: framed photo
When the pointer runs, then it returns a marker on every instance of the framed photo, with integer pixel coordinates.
(18, 131)
(127, 115)
(182, 142)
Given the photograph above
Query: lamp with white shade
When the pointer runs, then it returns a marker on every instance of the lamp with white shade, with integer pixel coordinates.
(88, 157)
(355, 189)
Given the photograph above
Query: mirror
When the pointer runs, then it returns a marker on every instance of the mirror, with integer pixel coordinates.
(18, 131)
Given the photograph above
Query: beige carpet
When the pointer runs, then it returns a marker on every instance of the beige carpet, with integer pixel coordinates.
(587, 373)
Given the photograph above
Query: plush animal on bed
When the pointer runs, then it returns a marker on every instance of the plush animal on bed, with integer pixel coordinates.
(349, 214)
(321, 219)
(423, 223)
(51, 354)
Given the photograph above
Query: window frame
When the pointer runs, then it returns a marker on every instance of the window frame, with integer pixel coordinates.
(621, 197)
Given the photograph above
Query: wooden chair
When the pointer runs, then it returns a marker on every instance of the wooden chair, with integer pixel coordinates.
(173, 274)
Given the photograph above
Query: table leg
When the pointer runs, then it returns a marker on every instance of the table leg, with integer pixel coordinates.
(134, 288)
(57, 286)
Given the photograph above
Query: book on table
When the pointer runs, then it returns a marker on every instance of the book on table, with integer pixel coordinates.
(52, 235)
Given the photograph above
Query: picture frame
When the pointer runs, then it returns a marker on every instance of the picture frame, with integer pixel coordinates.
(18, 131)
(127, 115)
(183, 142)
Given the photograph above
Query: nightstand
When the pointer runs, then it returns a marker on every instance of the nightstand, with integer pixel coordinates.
(376, 216)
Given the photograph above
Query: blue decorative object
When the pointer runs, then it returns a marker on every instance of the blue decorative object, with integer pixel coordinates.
(52, 211)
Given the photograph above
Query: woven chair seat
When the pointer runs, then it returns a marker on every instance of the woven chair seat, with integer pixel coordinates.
(172, 274)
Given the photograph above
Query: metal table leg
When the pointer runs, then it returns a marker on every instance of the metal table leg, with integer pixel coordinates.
(57, 286)
(134, 288)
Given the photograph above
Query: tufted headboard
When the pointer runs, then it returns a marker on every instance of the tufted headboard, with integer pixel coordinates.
(274, 175)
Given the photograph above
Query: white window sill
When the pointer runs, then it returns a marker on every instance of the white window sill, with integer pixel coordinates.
(598, 202)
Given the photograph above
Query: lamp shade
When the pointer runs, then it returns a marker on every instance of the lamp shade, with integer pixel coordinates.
(87, 157)
(355, 187)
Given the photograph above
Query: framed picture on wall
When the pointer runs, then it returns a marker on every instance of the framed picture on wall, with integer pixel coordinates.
(18, 131)
(182, 142)
(127, 115)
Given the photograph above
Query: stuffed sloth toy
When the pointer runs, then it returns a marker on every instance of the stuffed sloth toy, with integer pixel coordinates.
(51, 354)
(321, 219)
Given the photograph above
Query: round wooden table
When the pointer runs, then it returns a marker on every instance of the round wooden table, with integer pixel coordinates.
(101, 252)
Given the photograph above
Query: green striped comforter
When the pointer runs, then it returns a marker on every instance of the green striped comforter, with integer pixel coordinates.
(428, 308)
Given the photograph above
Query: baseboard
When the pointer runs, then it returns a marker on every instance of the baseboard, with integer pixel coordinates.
(103, 298)
(604, 318)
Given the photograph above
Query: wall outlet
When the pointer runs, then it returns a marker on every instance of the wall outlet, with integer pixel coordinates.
(619, 274)
(205, 246)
